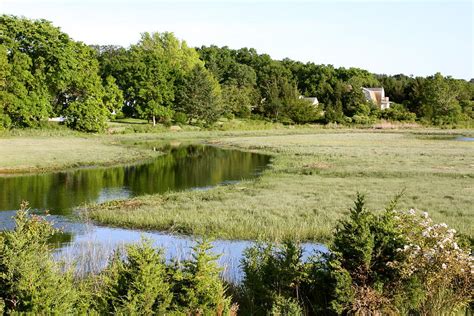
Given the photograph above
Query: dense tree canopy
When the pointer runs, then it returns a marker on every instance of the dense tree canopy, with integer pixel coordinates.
(147, 73)
(44, 73)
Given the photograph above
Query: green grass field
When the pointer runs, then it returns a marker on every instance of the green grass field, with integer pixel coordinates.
(42, 153)
(312, 182)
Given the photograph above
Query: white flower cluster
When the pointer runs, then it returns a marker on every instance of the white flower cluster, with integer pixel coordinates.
(431, 248)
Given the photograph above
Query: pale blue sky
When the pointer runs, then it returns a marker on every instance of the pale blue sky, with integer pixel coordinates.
(411, 37)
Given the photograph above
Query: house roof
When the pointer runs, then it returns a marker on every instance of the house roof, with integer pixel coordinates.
(373, 89)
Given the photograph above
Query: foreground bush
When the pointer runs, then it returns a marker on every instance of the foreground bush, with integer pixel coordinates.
(393, 263)
(30, 281)
(197, 286)
(137, 281)
(273, 276)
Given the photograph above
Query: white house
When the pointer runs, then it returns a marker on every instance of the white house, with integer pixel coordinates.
(377, 95)
(313, 100)
(57, 119)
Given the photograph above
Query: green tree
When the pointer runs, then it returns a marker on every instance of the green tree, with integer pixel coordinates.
(88, 115)
(24, 96)
(238, 101)
(147, 73)
(113, 96)
(117, 62)
(353, 100)
(354, 240)
(199, 96)
(48, 71)
(440, 103)
(302, 111)
(5, 69)
(154, 58)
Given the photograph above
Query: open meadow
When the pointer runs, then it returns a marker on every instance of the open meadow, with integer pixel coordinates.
(311, 183)
(38, 151)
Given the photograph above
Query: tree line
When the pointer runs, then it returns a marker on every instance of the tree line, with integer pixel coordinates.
(44, 73)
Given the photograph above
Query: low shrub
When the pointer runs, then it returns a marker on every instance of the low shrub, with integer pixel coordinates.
(397, 112)
(197, 287)
(272, 273)
(302, 111)
(139, 281)
(180, 118)
(136, 282)
(87, 116)
(283, 306)
(30, 280)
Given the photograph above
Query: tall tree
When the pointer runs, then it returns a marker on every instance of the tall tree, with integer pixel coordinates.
(199, 96)
(147, 73)
(113, 96)
(440, 104)
(48, 72)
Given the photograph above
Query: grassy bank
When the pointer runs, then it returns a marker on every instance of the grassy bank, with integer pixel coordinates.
(312, 182)
(55, 147)
(44, 152)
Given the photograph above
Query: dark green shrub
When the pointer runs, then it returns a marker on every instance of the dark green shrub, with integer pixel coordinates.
(30, 281)
(398, 262)
(180, 118)
(238, 101)
(271, 273)
(354, 240)
(5, 120)
(284, 306)
(363, 244)
(389, 263)
(302, 111)
(361, 119)
(137, 283)
(197, 286)
(198, 94)
(328, 289)
(397, 112)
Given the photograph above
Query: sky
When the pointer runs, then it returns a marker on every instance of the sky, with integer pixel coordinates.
(416, 38)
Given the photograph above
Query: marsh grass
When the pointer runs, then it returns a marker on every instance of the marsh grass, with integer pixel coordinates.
(311, 183)
(45, 153)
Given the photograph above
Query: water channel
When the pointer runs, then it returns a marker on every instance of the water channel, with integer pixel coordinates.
(192, 167)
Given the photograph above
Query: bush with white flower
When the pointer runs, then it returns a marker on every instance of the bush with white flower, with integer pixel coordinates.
(379, 263)
(433, 258)
(400, 262)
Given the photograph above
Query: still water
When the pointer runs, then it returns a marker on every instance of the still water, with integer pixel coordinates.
(464, 139)
(193, 167)
(179, 168)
